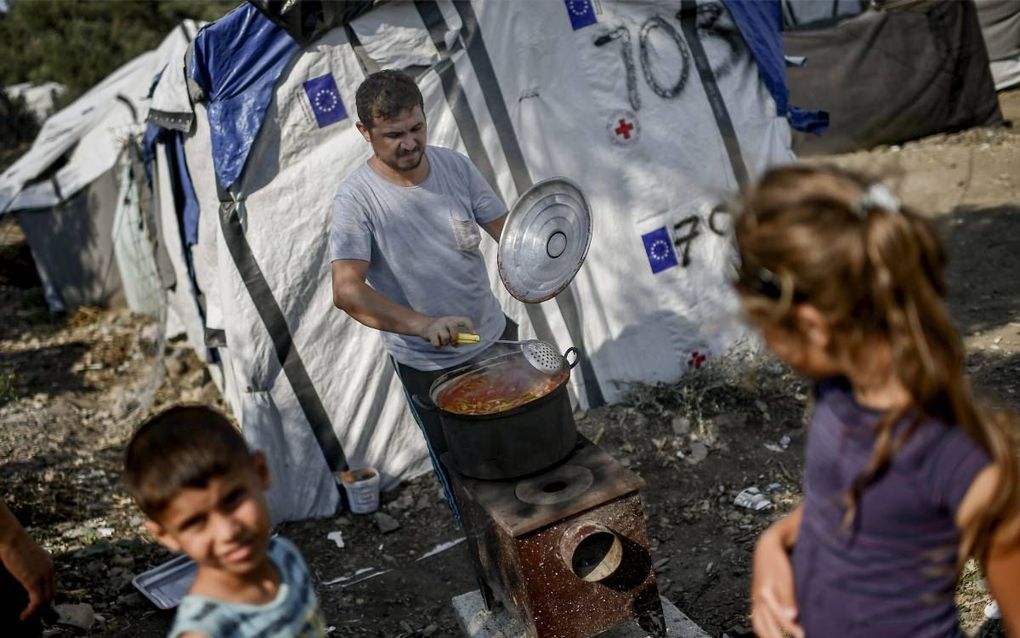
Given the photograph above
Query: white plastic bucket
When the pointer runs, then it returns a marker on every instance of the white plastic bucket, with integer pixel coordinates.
(363, 492)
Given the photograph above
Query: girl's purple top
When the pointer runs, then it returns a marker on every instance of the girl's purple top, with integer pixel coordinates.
(893, 571)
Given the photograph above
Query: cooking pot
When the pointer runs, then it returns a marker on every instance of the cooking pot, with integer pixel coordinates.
(508, 443)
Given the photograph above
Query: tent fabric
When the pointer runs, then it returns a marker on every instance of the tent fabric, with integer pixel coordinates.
(91, 130)
(133, 247)
(89, 274)
(190, 209)
(760, 24)
(236, 61)
(38, 98)
(1000, 25)
(528, 90)
(814, 14)
(855, 71)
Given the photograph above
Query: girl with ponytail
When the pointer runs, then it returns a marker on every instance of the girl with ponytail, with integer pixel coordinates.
(906, 475)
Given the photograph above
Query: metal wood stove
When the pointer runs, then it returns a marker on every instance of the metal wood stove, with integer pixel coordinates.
(565, 551)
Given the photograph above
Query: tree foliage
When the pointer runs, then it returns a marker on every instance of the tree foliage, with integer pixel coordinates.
(79, 42)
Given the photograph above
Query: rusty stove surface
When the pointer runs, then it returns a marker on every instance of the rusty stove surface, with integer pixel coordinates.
(565, 551)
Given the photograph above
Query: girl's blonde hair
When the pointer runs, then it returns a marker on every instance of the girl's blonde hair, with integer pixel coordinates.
(875, 270)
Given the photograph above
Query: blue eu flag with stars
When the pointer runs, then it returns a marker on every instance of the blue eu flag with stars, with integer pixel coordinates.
(581, 12)
(659, 250)
(324, 97)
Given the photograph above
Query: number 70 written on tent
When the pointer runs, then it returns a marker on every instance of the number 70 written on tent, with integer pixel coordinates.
(708, 24)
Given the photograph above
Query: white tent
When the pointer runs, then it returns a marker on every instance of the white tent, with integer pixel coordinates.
(612, 95)
(66, 190)
(1000, 25)
(39, 99)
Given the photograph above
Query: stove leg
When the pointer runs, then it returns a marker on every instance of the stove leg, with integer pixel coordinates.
(649, 613)
(488, 599)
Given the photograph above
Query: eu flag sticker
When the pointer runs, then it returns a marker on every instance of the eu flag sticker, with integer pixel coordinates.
(581, 12)
(324, 97)
(659, 250)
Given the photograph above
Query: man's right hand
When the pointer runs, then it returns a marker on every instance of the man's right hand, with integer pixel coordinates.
(442, 331)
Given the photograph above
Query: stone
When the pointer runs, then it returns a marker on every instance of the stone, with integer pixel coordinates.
(698, 453)
(79, 616)
(385, 522)
(134, 600)
(681, 426)
(174, 367)
(404, 502)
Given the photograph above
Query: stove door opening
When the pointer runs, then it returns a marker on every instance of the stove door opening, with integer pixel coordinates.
(593, 552)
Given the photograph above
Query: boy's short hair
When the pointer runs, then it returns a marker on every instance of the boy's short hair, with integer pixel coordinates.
(384, 94)
(181, 447)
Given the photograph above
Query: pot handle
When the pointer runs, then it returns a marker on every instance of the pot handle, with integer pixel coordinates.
(423, 404)
(566, 357)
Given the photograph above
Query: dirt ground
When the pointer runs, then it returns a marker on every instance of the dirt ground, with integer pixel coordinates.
(72, 387)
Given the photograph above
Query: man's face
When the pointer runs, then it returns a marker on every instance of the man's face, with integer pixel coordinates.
(224, 525)
(399, 141)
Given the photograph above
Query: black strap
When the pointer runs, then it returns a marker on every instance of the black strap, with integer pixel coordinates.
(365, 61)
(493, 95)
(123, 99)
(283, 343)
(187, 34)
(688, 17)
(432, 16)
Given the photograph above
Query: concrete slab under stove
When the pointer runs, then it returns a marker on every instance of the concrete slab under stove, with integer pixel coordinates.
(476, 622)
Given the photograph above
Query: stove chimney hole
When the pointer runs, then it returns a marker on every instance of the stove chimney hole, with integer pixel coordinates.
(554, 486)
(593, 552)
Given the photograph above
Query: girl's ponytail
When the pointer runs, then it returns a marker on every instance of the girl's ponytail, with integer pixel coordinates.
(908, 285)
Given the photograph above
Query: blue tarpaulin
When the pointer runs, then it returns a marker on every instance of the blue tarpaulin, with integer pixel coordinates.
(236, 61)
(760, 22)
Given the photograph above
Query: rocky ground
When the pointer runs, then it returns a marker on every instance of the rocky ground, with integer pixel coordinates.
(72, 387)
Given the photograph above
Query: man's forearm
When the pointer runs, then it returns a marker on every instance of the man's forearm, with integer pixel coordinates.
(375, 310)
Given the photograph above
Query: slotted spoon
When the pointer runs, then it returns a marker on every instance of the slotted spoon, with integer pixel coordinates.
(541, 355)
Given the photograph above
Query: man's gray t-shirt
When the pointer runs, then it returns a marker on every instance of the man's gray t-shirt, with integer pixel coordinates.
(421, 243)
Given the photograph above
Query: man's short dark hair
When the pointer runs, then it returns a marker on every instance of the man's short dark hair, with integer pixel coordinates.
(384, 94)
(184, 446)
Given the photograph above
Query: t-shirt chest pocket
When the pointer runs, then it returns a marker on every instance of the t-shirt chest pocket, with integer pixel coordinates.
(465, 231)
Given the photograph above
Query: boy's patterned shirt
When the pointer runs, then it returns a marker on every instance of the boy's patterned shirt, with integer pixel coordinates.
(294, 613)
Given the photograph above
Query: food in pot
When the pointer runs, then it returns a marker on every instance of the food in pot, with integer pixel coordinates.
(494, 390)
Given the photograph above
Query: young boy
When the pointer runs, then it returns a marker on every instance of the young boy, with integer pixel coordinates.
(201, 491)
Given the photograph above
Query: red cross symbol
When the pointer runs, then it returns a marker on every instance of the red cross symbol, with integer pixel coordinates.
(696, 360)
(624, 129)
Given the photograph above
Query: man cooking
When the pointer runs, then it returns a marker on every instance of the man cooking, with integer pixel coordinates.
(404, 242)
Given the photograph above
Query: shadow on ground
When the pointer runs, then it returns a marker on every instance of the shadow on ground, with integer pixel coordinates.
(984, 286)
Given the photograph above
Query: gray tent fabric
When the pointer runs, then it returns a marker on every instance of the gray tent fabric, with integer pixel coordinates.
(806, 14)
(72, 246)
(886, 77)
(1000, 24)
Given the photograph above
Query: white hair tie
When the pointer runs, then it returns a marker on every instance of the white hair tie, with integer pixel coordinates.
(877, 196)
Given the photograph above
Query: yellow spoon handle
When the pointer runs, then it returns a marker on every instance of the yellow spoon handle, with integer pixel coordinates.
(467, 337)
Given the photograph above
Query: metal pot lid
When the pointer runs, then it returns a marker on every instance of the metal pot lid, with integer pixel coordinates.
(545, 240)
